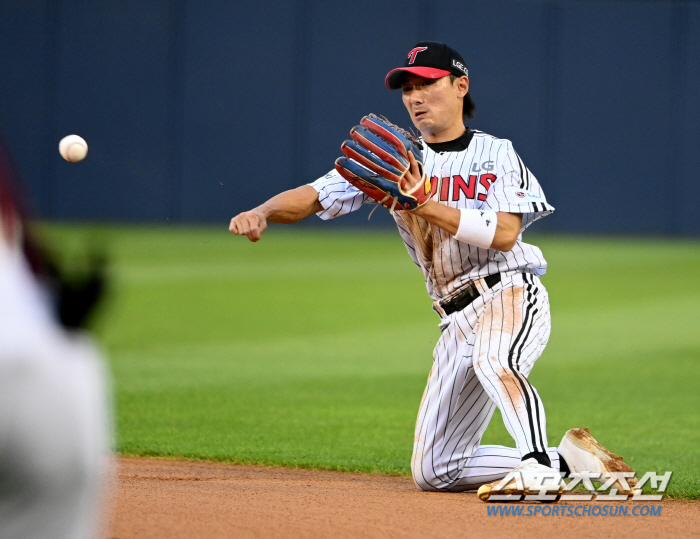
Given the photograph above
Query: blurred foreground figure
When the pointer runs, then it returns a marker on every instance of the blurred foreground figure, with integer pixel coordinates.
(54, 420)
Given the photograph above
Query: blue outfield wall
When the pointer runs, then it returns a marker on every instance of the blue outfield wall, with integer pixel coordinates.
(196, 110)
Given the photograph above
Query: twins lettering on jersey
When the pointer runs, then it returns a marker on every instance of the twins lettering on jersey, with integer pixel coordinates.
(452, 188)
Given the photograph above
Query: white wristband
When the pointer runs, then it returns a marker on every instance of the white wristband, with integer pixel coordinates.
(477, 227)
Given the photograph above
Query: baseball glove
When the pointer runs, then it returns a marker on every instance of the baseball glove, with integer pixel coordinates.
(377, 161)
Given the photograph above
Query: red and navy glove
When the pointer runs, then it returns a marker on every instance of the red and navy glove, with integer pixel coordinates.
(377, 162)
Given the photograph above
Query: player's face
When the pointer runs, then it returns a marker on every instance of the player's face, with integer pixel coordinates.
(435, 105)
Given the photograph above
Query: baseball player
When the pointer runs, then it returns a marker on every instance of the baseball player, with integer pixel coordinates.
(461, 200)
(54, 428)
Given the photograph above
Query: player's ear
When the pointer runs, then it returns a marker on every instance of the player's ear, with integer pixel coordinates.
(462, 86)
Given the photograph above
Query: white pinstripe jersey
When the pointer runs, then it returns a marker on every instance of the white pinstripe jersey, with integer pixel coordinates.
(489, 175)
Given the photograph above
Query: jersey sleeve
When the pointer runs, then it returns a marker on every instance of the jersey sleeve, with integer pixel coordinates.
(337, 196)
(516, 190)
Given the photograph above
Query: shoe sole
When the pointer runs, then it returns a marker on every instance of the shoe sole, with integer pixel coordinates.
(581, 439)
(485, 491)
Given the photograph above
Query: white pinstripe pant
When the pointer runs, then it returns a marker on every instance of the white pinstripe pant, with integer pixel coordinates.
(481, 361)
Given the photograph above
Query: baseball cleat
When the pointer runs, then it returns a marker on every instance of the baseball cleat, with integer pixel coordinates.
(584, 454)
(530, 478)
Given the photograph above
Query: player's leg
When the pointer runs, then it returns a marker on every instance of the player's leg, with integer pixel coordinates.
(454, 413)
(456, 408)
(512, 333)
(487, 463)
(491, 463)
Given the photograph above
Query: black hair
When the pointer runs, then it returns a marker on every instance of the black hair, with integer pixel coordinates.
(469, 107)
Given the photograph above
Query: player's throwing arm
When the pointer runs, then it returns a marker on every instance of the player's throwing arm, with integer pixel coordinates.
(382, 184)
(287, 207)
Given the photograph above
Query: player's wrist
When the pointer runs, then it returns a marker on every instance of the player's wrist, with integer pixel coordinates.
(424, 209)
(477, 227)
(262, 212)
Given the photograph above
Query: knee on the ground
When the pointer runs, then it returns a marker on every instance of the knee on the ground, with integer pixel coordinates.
(428, 479)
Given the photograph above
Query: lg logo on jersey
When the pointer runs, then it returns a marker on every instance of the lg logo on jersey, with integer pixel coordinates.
(488, 166)
(452, 188)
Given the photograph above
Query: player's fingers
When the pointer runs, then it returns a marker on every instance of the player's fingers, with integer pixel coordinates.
(240, 225)
(415, 169)
(234, 226)
(411, 178)
(251, 224)
(244, 225)
(254, 234)
(258, 230)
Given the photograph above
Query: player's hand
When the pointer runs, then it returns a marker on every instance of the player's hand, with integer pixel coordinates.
(413, 174)
(251, 224)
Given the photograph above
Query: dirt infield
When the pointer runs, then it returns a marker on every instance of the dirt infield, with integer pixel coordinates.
(158, 498)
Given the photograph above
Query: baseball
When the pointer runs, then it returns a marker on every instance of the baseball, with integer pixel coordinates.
(73, 148)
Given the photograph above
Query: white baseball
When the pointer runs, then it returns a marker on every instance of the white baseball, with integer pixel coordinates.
(73, 148)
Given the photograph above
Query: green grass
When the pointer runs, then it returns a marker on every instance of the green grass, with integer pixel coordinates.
(312, 348)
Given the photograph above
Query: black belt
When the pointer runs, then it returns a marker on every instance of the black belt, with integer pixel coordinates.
(467, 295)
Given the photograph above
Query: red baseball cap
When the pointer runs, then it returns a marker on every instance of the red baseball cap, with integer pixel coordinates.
(428, 59)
